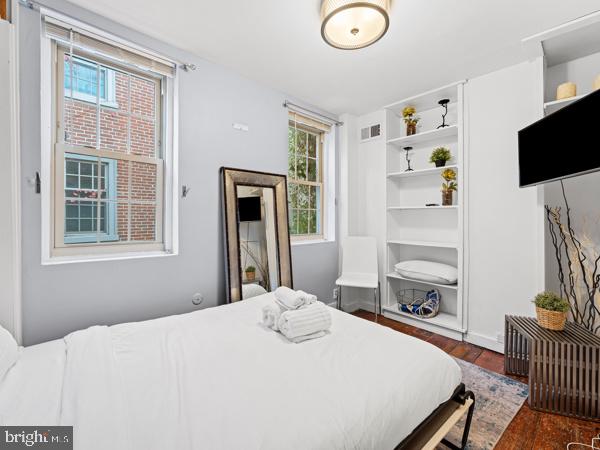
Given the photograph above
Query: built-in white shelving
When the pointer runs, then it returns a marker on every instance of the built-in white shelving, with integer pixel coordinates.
(423, 243)
(397, 276)
(425, 136)
(550, 107)
(421, 172)
(417, 231)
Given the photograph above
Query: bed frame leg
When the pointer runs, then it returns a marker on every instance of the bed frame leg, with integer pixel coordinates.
(465, 436)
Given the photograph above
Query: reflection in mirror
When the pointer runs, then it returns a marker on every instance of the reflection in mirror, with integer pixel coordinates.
(258, 239)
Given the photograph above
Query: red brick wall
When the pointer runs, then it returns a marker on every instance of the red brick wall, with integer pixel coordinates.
(131, 120)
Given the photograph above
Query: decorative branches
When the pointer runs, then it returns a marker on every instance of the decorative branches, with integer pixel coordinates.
(578, 261)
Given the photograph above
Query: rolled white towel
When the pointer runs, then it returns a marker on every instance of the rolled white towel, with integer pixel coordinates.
(270, 316)
(305, 321)
(289, 299)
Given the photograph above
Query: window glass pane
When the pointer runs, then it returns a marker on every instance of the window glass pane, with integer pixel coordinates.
(291, 141)
(292, 195)
(312, 222)
(79, 123)
(143, 97)
(312, 170)
(143, 222)
(293, 221)
(83, 219)
(314, 197)
(143, 181)
(301, 143)
(303, 221)
(142, 137)
(312, 145)
(113, 130)
(122, 213)
(303, 196)
(301, 168)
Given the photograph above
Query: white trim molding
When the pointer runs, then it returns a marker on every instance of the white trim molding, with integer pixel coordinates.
(10, 197)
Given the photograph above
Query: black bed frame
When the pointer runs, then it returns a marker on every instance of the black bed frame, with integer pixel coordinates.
(460, 395)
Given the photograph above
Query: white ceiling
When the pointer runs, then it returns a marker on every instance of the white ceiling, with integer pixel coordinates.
(277, 42)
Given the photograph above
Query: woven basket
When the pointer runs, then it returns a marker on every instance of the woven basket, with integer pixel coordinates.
(551, 320)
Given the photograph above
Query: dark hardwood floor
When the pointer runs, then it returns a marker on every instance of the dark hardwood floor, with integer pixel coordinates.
(529, 430)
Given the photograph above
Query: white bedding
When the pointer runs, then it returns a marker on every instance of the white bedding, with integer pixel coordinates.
(216, 379)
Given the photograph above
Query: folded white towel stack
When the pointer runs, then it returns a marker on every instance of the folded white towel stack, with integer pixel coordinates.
(310, 320)
(289, 299)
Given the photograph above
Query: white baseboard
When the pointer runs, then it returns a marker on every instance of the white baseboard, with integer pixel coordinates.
(484, 341)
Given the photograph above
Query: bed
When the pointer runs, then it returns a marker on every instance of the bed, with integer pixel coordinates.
(217, 379)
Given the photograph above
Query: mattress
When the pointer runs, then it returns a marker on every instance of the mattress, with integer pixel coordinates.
(217, 379)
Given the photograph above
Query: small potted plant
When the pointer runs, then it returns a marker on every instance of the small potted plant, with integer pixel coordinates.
(250, 273)
(448, 186)
(439, 156)
(408, 113)
(551, 310)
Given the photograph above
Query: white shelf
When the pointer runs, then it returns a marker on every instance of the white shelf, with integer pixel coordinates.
(409, 208)
(421, 172)
(425, 136)
(427, 100)
(443, 319)
(397, 276)
(423, 243)
(554, 106)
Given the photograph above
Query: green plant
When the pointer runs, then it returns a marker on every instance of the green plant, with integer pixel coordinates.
(408, 115)
(450, 176)
(551, 302)
(440, 154)
(250, 269)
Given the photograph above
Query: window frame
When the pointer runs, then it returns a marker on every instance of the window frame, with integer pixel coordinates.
(168, 208)
(320, 157)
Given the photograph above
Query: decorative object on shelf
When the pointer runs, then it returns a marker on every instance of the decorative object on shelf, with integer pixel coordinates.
(354, 24)
(408, 113)
(250, 273)
(408, 149)
(439, 156)
(444, 104)
(596, 84)
(432, 204)
(566, 90)
(551, 310)
(425, 304)
(427, 271)
(449, 186)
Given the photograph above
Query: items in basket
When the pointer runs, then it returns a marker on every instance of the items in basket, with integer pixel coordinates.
(425, 304)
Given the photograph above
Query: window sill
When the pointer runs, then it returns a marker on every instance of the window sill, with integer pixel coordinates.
(57, 260)
(301, 242)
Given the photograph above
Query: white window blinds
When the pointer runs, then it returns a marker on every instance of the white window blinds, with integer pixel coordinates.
(86, 40)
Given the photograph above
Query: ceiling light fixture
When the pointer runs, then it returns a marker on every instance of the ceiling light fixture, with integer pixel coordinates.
(352, 24)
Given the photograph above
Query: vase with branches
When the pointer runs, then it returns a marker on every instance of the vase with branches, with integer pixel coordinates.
(449, 186)
(578, 259)
(411, 121)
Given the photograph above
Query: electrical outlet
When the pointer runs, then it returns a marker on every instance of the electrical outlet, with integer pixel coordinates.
(197, 299)
(335, 293)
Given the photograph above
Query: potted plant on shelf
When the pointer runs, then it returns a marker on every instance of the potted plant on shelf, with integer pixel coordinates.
(440, 156)
(449, 186)
(551, 310)
(408, 113)
(250, 273)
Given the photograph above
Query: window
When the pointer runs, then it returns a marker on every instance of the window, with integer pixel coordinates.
(305, 177)
(111, 164)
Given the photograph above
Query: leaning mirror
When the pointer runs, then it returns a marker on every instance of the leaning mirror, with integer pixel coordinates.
(257, 240)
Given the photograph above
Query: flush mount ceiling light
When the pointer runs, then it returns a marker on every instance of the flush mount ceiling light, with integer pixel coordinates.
(351, 24)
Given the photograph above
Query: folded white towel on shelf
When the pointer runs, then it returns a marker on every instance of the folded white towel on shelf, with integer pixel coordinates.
(305, 321)
(270, 316)
(289, 299)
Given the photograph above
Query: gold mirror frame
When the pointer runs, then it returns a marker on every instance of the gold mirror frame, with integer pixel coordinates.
(232, 178)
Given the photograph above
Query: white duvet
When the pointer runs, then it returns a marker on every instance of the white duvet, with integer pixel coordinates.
(217, 379)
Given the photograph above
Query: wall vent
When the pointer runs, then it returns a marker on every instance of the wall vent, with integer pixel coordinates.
(372, 132)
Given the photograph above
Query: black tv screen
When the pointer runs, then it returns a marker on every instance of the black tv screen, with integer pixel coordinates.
(249, 209)
(563, 144)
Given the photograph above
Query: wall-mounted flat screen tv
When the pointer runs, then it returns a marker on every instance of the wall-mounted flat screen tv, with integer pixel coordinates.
(563, 144)
(249, 209)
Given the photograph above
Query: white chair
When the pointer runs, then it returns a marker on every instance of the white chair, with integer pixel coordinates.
(359, 268)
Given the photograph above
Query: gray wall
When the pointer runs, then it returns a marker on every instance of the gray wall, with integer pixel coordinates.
(62, 298)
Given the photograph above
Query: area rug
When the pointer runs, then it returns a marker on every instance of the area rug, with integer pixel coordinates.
(497, 400)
